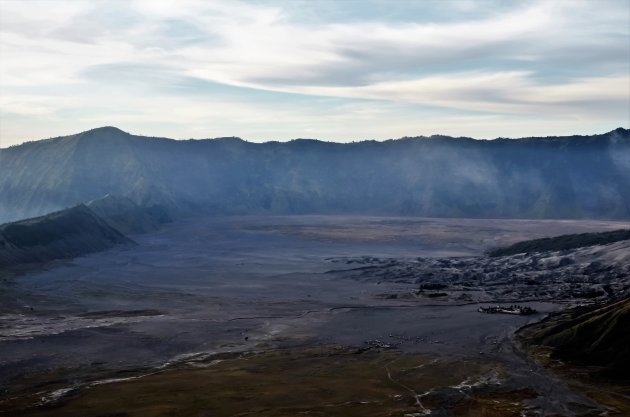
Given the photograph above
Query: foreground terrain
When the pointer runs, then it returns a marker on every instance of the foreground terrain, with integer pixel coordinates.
(319, 315)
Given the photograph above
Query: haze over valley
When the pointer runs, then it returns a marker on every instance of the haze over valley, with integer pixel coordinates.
(150, 256)
(389, 208)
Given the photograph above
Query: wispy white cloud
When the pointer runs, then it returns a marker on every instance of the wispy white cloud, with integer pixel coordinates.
(566, 63)
(496, 92)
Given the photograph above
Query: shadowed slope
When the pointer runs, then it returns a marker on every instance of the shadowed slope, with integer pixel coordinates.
(563, 242)
(60, 235)
(589, 336)
(126, 216)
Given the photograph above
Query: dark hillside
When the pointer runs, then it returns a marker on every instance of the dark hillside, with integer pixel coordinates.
(126, 216)
(60, 235)
(597, 336)
(563, 242)
(555, 177)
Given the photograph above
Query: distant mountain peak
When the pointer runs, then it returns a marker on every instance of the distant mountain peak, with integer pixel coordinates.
(104, 132)
(107, 129)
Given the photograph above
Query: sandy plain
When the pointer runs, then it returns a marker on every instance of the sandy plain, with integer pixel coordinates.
(259, 316)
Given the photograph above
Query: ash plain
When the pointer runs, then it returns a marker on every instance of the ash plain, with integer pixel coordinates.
(227, 285)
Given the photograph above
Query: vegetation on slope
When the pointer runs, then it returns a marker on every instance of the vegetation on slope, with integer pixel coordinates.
(563, 242)
(593, 336)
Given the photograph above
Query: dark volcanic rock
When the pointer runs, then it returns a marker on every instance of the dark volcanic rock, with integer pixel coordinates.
(591, 274)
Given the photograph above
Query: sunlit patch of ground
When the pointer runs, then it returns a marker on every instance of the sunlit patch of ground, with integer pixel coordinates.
(323, 381)
(494, 404)
(463, 235)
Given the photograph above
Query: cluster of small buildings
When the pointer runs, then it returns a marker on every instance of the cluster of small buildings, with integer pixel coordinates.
(513, 309)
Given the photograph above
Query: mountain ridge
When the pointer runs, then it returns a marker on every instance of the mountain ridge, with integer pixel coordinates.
(115, 130)
(551, 177)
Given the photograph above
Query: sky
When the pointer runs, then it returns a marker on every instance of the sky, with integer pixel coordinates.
(333, 70)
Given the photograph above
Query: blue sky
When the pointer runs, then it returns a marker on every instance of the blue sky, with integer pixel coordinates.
(334, 70)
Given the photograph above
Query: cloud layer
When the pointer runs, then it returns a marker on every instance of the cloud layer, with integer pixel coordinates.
(333, 70)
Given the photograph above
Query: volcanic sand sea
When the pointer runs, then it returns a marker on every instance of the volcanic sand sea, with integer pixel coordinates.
(250, 288)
